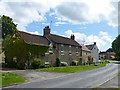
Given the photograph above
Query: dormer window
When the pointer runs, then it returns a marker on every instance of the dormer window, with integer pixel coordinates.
(51, 48)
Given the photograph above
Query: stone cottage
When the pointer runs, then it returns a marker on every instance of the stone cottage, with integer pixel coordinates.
(66, 49)
(86, 53)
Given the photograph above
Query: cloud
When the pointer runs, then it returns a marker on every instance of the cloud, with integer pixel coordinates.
(35, 32)
(103, 40)
(104, 36)
(24, 13)
(85, 11)
(60, 23)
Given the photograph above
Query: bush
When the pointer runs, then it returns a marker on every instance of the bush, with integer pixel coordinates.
(64, 64)
(36, 63)
(21, 65)
(10, 63)
(74, 63)
(58, 62)
(42, 66)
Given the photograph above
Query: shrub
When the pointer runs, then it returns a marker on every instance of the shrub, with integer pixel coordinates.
(64, 64)
(10, 63)
(58, 62)
(42, 66)
(21, 65)
(74, 63)
(36, 63)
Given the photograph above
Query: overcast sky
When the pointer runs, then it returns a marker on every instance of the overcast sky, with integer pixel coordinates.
(89, 20)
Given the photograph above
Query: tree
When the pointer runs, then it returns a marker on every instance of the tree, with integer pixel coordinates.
(17, 52)
(8, 26)
(116, 47)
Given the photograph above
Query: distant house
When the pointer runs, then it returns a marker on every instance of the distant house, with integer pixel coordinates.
(94, 51)
(85, 54)
(110, 54)
(102, 55)
(66, 49)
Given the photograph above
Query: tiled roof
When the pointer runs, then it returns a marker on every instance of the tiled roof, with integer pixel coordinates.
(102, 52)
(90, 47)
(62, 40)
(84, 48)
(109, 50)
(33, 39)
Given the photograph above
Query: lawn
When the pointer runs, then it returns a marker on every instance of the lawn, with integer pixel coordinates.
(9, 78)
(71, 69)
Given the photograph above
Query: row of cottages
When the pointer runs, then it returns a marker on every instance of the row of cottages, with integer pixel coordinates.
(66, 49)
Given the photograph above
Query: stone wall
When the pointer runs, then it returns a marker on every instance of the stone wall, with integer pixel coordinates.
(65, 53)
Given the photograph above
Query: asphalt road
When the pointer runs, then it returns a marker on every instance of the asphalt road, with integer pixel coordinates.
(87, 79)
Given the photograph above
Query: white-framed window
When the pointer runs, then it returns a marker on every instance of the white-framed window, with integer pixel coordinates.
(62, 48)
(51, 48)
(70, 51)
(76, 50)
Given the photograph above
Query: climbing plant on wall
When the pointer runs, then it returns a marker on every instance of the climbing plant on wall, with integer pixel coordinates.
(15, 47)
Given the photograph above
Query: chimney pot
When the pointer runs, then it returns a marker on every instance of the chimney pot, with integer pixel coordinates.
(46, 30)
(72, 37)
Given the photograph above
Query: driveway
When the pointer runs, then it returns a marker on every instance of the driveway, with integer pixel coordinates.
(33, 76)
(87, 79)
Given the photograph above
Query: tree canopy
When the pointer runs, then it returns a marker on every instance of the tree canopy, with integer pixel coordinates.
(116, 47)
(8, 26)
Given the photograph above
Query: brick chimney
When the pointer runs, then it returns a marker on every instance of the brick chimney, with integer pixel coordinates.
(72, 37)
(46, 30)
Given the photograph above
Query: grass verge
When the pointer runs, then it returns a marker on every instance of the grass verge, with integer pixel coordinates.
(9, 78)
(71, 69)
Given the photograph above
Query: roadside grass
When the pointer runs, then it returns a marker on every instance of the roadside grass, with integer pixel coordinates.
(0, 79)
(9, 78)
(105, 89)
(108, 60)
(71, 69)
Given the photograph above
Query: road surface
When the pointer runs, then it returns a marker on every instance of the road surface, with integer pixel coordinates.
(87, 79)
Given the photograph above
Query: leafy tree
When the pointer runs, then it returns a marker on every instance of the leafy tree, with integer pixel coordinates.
(8, 26)
(116, 47)
(17, 52)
